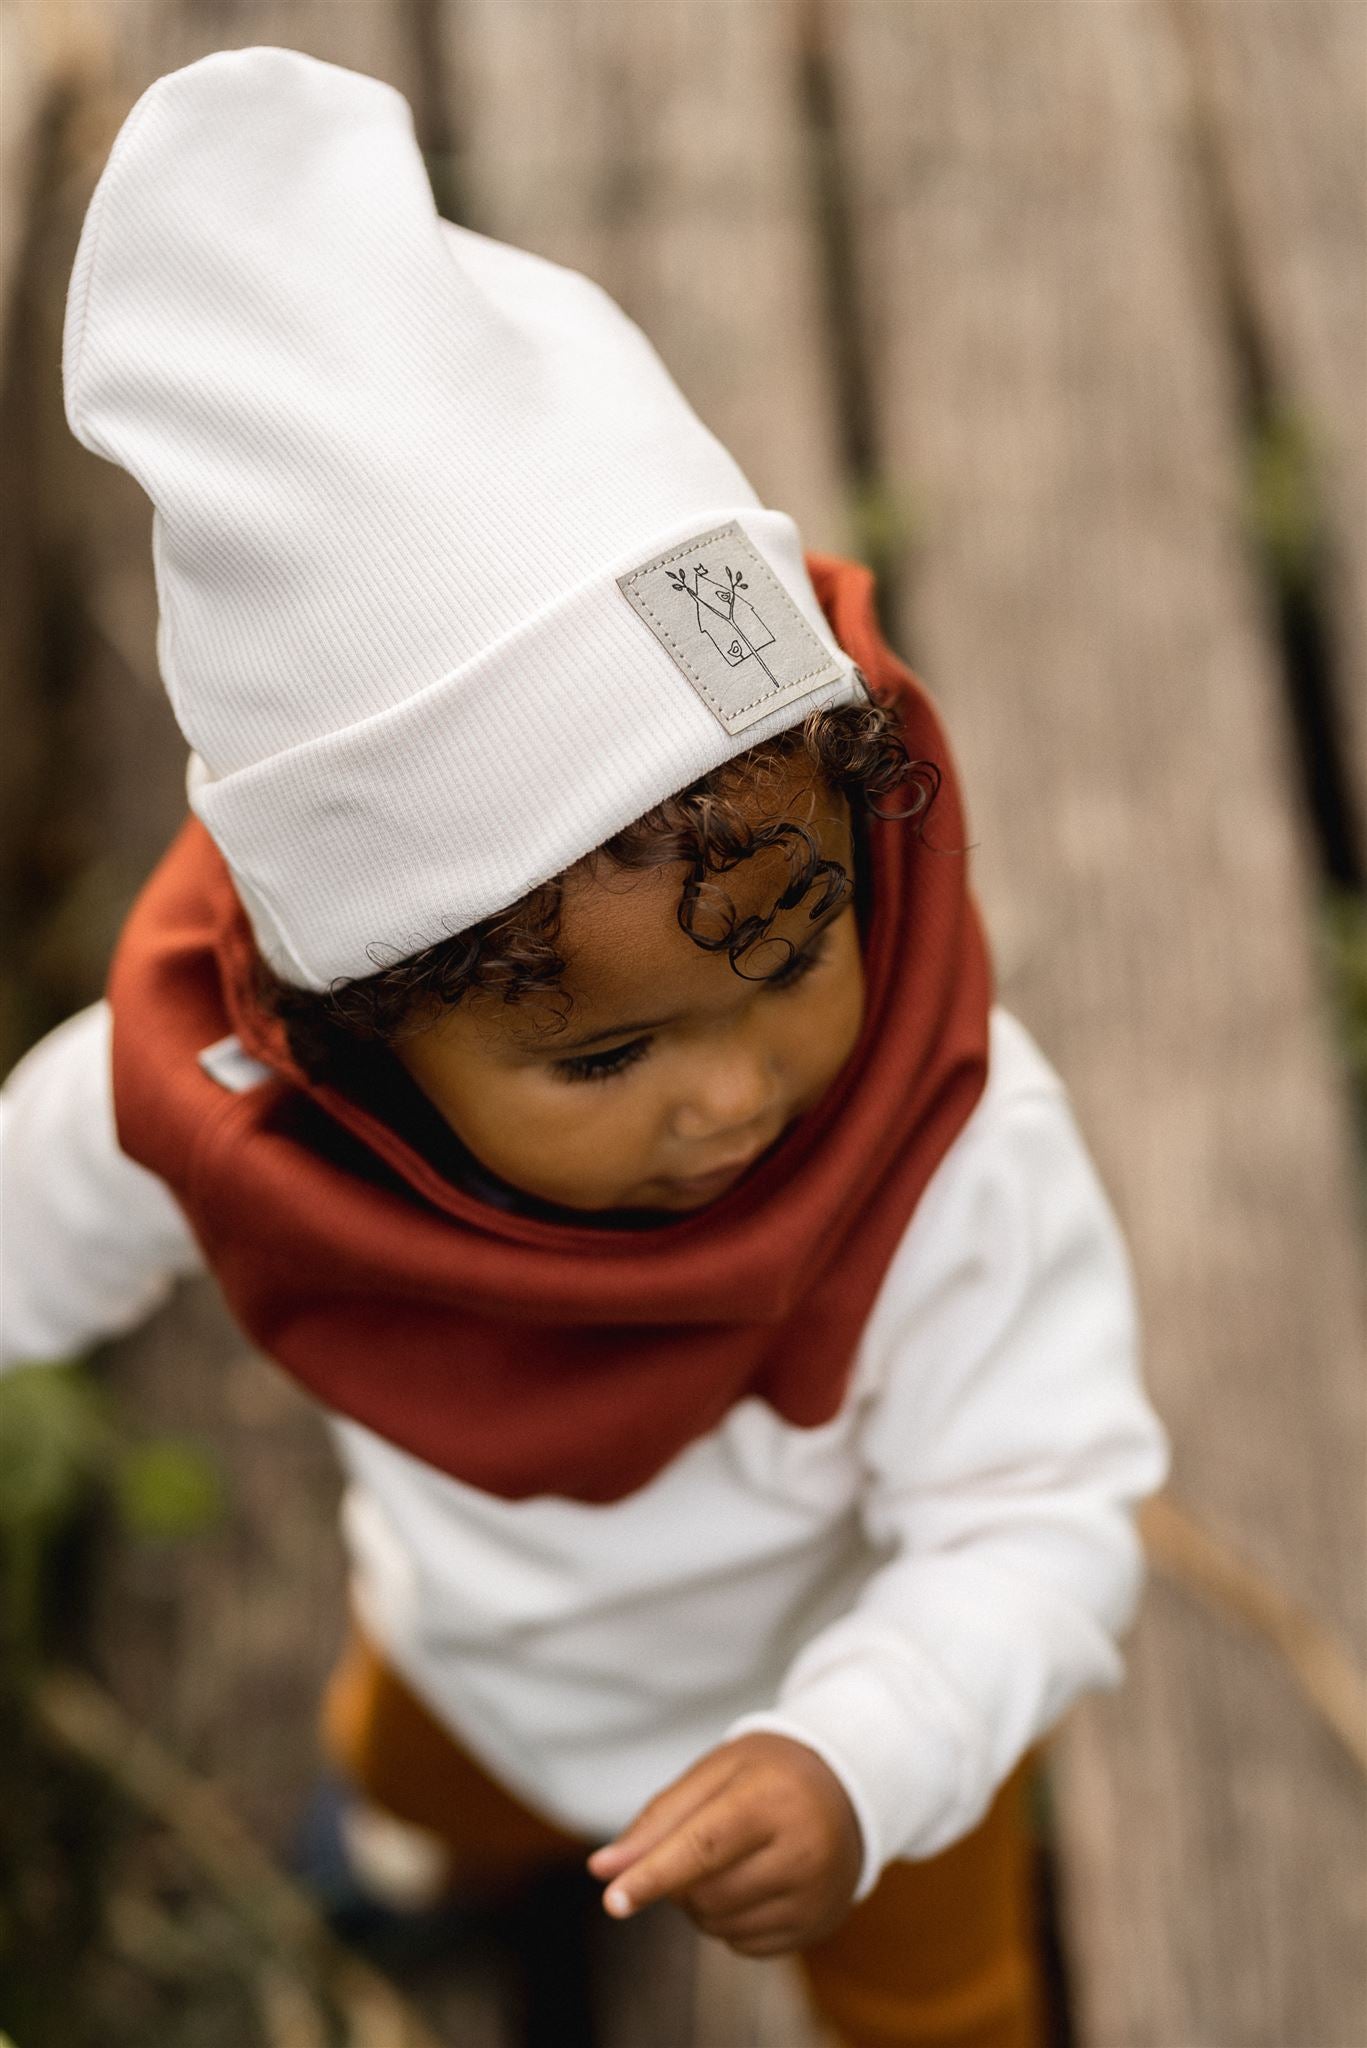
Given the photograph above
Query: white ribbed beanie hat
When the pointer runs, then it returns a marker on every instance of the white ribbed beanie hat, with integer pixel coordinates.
(453, 584)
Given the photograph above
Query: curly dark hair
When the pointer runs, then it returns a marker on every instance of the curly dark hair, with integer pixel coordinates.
(857, 749)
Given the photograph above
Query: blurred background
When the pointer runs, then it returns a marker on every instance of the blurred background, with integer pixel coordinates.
(1054, 312)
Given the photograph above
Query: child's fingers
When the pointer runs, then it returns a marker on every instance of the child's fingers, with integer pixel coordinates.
(712, 1838)
(780, 1943)
(664, 1812)
(775, 1917)
(612, 1857)
(748, 1884)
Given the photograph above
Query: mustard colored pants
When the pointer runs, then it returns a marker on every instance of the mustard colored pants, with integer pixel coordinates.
(941, 1954)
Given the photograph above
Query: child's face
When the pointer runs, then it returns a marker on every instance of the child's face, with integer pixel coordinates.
(673, 1073)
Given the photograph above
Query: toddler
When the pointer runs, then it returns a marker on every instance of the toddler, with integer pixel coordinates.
(563, 1027)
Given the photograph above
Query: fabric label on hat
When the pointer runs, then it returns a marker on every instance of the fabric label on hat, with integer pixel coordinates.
(725, 620)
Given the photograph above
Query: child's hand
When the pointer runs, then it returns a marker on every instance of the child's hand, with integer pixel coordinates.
(757, 1842)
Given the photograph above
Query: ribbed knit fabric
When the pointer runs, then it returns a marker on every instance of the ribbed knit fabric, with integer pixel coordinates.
(396, 470)
(527, 1355)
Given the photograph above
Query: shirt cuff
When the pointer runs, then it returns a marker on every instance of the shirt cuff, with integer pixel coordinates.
(909, 1780)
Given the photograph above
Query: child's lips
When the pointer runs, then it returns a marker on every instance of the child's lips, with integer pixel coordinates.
(729, 1170)
(703, 1183)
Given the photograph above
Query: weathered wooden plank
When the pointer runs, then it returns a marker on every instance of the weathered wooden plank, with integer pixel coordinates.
(44, 58)
(35, 57)
(124, 782)
(219, 1645)
(1056, 389)
(1283, 89)
(661, 150)
(121, 748)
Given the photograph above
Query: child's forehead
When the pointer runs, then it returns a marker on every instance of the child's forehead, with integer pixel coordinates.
(620, 933)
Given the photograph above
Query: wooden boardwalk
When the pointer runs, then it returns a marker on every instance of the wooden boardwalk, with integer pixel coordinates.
(1025, 301)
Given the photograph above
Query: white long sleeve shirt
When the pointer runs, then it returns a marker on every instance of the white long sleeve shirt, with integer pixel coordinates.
(916, 1589)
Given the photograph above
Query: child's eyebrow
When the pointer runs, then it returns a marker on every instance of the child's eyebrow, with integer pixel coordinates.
(558, 1047)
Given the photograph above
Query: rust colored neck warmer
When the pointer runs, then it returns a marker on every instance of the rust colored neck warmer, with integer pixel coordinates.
(526, 1356)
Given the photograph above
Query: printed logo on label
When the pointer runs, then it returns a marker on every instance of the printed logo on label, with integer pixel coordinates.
(728, 624)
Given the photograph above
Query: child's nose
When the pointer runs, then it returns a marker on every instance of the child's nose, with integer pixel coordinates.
(735, 1093)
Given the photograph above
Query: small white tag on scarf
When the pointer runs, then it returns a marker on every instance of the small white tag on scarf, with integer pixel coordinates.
(226, 1062)
(725, 620)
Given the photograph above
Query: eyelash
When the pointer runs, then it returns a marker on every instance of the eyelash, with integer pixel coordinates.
(604, 1066)
(601, 1066)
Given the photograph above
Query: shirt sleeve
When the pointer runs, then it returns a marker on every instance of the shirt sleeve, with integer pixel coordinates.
(1007, 1440)
(90, 1242)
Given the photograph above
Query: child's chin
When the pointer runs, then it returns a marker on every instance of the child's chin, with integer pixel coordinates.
(678, 1204)
(660, 1198)
(654, 1197)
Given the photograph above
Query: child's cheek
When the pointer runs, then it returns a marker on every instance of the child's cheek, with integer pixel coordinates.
(588, 1143)
(830, 1030)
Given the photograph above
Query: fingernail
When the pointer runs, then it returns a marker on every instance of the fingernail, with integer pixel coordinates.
(617, 1901)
